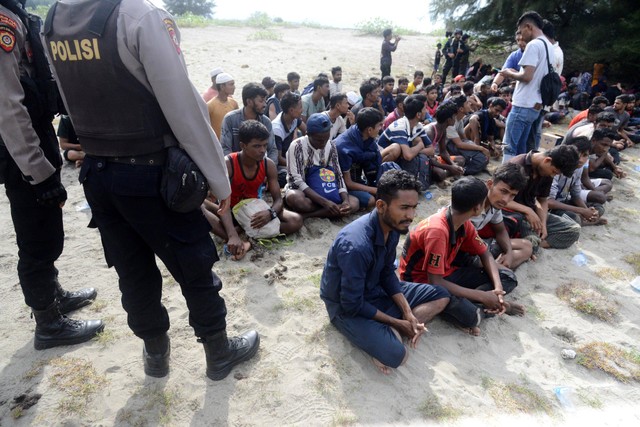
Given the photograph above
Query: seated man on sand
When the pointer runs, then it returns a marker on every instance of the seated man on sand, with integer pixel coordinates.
(315, 185)
(437, 251)
(69, 143)
(555, 231)
(339, 113)
(364, 298)
(482, 129)
(285, 129)
(567, 195)
(476, 157)
(601, 169)
(223, 102)
(248, 169)
(359, 156)
(507, 180)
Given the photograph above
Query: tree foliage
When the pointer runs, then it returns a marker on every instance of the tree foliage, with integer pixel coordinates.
(196, 7)
(589, 31)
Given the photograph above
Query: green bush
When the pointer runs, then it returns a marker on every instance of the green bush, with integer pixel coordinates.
(259, 20)
(266, 34)
(375, 27)
(189, 20)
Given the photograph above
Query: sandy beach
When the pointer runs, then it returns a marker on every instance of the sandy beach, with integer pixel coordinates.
(306, 373)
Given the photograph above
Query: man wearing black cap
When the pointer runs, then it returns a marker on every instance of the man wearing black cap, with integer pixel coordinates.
(315, 185)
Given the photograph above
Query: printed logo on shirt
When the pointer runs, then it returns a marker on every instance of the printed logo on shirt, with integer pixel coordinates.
(434, 260)
(480, 241)
(327, 175)
(171, 29)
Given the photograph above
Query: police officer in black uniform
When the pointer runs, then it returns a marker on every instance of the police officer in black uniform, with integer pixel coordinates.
(122, 75)
(30, 169)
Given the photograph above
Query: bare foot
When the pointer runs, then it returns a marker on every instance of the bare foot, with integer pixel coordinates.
(246, 247)
(474, 331)
(381, 367)
(514, 309)
(599, 221)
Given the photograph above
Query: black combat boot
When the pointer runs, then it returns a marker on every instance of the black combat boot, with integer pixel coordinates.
(70, 301)
(223, 353)
(155, 354)
(53, 329)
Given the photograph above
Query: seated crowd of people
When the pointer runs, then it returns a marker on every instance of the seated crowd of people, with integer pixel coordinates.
(323, 152)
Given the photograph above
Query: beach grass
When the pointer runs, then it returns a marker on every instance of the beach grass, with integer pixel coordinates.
(588, 299)
(623, 365)
(634, 261)
(78, 381)
(514, 397)
(432, 409)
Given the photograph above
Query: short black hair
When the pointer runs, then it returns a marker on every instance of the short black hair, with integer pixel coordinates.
(455, 87)
(387, 32)
(418, 73)
(533, 17)
(511, 174)
(582, 144)
(548, 29)
(288, 101)
(319, 82)
(497, 101)
(336, 99)
(293, 76)
(366, 88)
(606, 116)
(400, 98)
(599, 100)
(393, 181)
(402, 80)
(412, 106)
(594, 109)
(599, 134)
(458, 100)
(252, 129)
(445, 111)
(388, 79)
(467, 193)
(565, 158)
(334, 70)
(505, 89)
(368, 117)
(467, 86)
(281, 87)
(253, 90)
(430, 88)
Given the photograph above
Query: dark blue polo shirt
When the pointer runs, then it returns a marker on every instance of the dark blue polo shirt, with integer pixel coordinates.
(359, 276)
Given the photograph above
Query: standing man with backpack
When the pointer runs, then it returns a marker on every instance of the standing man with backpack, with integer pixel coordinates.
(527, 98)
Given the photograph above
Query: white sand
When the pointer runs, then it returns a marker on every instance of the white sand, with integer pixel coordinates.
(306, 373)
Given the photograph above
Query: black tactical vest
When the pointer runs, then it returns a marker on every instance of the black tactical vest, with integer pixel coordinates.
(112, 112)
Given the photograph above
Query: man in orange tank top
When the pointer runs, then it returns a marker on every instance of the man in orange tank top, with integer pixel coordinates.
(248, 171)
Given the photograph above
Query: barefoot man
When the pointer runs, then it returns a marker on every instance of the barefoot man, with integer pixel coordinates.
(364, 298)
(438, 250)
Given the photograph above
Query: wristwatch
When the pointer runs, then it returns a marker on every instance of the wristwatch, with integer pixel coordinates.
(274, 214)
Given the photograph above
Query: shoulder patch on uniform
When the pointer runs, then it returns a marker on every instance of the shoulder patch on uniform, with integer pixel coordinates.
(4, 19)
(7, 38)
(171, 29)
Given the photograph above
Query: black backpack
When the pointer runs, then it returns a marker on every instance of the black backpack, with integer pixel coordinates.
(550, 85)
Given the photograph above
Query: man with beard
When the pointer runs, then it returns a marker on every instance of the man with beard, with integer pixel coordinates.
(254, 98)
(364, 298)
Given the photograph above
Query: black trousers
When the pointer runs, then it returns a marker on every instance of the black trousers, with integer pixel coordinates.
(445, 70)
(135, 225)
(39, 236)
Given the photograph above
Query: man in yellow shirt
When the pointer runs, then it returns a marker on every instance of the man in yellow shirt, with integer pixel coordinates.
(222, 103)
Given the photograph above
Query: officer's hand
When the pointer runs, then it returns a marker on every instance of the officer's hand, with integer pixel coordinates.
(51, 192)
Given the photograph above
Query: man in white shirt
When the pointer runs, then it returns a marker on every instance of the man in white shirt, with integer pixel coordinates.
(335, 85)
(527, 101)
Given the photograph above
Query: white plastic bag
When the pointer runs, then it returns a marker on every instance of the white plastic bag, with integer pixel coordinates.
(243, 212)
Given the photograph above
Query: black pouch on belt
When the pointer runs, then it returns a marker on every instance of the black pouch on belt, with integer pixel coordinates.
(183, 186)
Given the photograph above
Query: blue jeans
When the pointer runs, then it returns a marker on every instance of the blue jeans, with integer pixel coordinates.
(519, 125)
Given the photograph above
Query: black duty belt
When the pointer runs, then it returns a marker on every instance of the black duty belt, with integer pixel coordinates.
(153, 159)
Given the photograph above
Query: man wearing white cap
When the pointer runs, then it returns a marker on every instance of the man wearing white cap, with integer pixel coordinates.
(211, 91)
(222, 103)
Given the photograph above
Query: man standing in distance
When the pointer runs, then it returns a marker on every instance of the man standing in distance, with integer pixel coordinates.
(134, 58)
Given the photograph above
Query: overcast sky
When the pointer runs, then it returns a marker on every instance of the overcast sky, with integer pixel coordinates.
(337, 13)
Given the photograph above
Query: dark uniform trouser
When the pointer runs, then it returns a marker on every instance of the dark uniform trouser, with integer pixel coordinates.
(39, 236)
(445, 70)
(135, 224)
